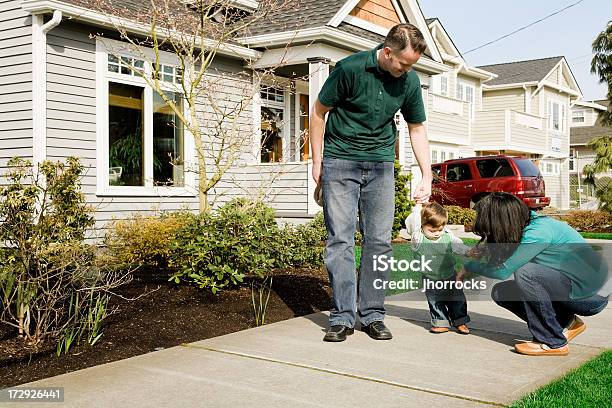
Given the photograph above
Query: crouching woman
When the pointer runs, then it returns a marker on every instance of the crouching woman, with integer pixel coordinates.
(557, 275)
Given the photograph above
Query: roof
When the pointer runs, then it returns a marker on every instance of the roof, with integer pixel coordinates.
(581, 135)
(302, 14)
(521, 71)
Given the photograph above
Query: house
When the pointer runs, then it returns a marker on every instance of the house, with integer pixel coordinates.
(65, 90)
(529, 102)
(585, 126)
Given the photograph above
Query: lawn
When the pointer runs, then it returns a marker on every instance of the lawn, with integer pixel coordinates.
(590, 385)
(597, 235)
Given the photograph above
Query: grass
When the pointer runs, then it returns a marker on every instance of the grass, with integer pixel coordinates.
(590, 385)
(403, 251)
(597, 235)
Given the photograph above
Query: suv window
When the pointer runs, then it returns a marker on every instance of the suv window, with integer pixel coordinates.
(435, 170)
(527, 168)
(458, 172)
(494, 168)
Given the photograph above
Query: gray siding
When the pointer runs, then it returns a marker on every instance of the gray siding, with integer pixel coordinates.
(15, 82)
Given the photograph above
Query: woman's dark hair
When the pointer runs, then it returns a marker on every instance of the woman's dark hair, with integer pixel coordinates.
(501, 219)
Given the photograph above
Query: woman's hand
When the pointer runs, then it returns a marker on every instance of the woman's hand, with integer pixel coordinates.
(475, 252)
(460, 274)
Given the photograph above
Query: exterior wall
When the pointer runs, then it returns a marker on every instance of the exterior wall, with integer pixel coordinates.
(504, 99)
(583, 155)
(15, 83)
(489, 129)
(557, 186)
(379, 12)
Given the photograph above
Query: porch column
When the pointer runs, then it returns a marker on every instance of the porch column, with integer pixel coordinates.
(318, 71)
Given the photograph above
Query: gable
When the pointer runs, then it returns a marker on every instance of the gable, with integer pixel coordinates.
(379, 12)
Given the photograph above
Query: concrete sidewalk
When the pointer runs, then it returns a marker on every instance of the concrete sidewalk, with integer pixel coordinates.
(287, 365)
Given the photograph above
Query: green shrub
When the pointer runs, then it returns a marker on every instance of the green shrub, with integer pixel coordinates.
(461, 216)
(218, 250)
(589, 221)
(144, 241)
(303, 245)
(604, 194)
(52, 284)
(403, 204)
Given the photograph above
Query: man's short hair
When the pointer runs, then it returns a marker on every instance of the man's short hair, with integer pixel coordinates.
(404, 35)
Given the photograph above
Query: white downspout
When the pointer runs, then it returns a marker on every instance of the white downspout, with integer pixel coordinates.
(39, 84)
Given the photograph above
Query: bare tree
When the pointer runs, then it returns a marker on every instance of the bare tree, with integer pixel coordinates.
(217, 104)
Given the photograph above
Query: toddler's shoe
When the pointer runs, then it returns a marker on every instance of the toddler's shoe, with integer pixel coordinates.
(463, 329)
(438, 330)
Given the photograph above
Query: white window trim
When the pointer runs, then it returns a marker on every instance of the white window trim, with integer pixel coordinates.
(301, 88)
(556, 168)
(103, 48)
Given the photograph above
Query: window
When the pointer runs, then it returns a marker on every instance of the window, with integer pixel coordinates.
(527, 168)
(125, 135)
(494, 168)
(572, 160)
(436, 170)
(444, 85)
(142, 143)
(434, 156)
(550, 168)
(272, 124)
(460, 91)
(578, 116)
(440, 84)
(556, 116)
(458, 172)
(442, 156)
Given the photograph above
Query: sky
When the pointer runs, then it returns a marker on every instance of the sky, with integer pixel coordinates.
(471, 23)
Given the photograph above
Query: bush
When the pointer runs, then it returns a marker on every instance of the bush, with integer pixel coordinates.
(52, 284)
(461, 216)
(216, 251)
(403, 204)
(589, 221)
(303, 245)
(604, 194)
(144, 241)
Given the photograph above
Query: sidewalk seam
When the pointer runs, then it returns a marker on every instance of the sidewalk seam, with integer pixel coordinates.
(358, 377)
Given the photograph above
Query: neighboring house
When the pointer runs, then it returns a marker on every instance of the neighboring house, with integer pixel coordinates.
(63, 93)
(526, 113)
(585, 126)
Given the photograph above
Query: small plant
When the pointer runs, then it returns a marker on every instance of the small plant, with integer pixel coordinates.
(461, 216)
(403, 204)
(589, 221)
(260, 296)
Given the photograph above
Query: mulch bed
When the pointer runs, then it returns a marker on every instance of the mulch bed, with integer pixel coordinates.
(165, 316)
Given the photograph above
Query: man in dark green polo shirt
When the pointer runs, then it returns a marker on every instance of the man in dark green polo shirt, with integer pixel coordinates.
(362, 95)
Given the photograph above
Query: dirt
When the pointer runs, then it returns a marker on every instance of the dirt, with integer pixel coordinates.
(164, 315)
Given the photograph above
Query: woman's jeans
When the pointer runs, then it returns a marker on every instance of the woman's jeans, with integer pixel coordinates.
(352, 187)
(540, 296)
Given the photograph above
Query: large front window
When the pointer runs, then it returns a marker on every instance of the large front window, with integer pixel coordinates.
(143, 145)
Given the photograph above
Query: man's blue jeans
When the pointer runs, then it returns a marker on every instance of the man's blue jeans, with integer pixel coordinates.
(540, 296)
(352, 187)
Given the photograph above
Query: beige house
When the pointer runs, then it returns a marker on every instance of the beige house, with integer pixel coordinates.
(585, 126)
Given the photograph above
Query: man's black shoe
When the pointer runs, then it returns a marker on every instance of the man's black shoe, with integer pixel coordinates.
(338, 333)
(378, 331)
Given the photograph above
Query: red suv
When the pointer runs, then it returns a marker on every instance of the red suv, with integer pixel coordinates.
(464, 181)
